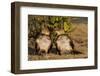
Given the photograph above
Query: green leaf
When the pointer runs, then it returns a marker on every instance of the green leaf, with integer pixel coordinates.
(66, 26)
(56, 25)
(57, 19)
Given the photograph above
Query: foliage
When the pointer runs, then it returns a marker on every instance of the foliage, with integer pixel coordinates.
(36, 23)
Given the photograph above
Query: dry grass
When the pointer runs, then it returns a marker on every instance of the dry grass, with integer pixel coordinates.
(54, 57)
(79, 37)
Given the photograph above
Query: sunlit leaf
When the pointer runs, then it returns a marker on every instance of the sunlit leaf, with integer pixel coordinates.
(57, 19)
(66, 26)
